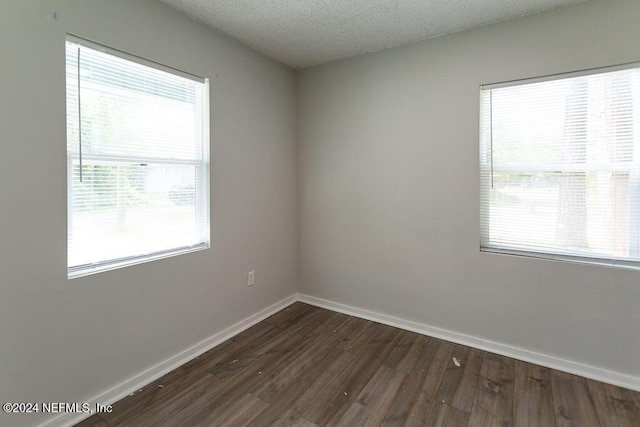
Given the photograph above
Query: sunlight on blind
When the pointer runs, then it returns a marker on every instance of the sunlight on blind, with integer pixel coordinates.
(560, 166)
(137, 159)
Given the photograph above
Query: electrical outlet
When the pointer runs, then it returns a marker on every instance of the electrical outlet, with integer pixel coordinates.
(251, 279)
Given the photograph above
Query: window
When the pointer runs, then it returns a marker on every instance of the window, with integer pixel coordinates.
(137, 160)
(560, 167)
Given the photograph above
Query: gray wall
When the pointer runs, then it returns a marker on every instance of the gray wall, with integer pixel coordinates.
(68, 340)
(389, 190)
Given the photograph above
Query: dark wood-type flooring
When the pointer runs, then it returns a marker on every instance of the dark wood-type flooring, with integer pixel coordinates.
(306, 366)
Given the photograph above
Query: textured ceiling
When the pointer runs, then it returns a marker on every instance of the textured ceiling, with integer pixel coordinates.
(303, 33)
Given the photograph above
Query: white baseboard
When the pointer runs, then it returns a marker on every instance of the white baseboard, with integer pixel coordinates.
(541, 359)
(148, 376)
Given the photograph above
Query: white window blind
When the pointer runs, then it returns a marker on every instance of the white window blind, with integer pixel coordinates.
(560, 167)
(137, 160)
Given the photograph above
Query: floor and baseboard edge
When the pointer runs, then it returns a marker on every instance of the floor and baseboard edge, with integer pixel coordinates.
(541, 359)
(143, 378)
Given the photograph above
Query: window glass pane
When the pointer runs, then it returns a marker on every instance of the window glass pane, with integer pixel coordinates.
(560, 166)
(130, 109)
(137, 160)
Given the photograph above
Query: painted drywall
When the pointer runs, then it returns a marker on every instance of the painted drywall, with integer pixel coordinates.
(68, 340)
(389, 190)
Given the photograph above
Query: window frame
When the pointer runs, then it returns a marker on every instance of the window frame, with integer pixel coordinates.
(486, 170)
(204, 164)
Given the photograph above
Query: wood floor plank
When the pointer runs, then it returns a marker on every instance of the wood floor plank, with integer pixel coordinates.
(458, 385)
(306, 322)
(635, 398)
(358, 334)
(301, 422)
(435, 360)
(297, 374)
(306, 366)
(442, 415)
(238, 360)
(250, 333)
(383, 342)
(370, 407)
(211, 357)
(342, 391)
(567, 376)
(156, 393)
(206, 409)
(419, 388)
(290, 314)
(533, 401)
(245, 342)
(311, 322)
(614, 405)
(92, 421)
(573, 405)
(242, 411)
(406, 353)
(333, 324)
(285, 412)
(162, 409)
(493, 403)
